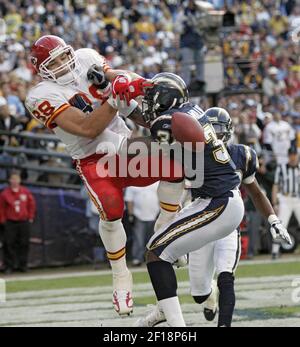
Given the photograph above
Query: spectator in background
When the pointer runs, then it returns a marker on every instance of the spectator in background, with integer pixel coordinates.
(7, 123)
(18, 211)
(15, 104)
(279, 24)
(13, 19)
(145, 28)
(143, 209)
(6, 64)
(253, 79)
(294, 19)
(293, 82)
(279, 137)
(23, 72)
(271, 85)
(192, 46)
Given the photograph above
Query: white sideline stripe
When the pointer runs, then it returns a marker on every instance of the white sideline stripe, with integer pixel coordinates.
(242, 284)
(139, 270)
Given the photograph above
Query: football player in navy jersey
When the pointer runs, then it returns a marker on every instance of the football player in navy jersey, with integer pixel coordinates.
(217, 208)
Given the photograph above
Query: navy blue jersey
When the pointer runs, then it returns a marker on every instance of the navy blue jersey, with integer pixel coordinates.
(220, 174)
(245, 160)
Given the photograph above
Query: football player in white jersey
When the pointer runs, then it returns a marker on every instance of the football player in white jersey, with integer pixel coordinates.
(78, 103)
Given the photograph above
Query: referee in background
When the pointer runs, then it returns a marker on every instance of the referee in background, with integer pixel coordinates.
(286, 193)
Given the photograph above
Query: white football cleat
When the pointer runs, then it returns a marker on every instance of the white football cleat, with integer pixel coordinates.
(123, 302)
(122, 294)
(152, 318)
(211, 304)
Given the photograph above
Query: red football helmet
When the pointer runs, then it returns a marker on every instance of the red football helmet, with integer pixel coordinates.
(46, 49)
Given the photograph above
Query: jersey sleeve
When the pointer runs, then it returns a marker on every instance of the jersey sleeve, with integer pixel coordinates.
(251, 165)
(91, 56)
(46, 108)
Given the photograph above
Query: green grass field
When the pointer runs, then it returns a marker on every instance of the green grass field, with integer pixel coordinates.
(78, 296)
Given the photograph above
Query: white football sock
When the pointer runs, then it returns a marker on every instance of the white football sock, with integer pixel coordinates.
(172, 310)
(114, 240)
(163, 219)
(169, 195)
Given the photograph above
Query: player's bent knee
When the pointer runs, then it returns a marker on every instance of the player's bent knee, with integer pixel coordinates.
(151, 257)
(109, 226)
(201, 299)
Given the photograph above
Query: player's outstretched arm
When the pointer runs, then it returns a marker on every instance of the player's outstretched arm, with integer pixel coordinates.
(76, 122)
(125, 85)
(263, 205)
(111, 74)
(259, 199)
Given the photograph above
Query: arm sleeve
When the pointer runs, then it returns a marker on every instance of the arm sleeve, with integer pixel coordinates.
(251, 165)
(91, 57)
(47, 108)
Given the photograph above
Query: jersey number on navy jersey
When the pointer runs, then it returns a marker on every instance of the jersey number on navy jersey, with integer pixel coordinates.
(220, 152)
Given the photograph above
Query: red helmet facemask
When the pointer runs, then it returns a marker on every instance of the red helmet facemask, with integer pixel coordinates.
(48, 48)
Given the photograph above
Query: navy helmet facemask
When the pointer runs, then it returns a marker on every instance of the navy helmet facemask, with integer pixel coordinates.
(221, 121)
(169, 91)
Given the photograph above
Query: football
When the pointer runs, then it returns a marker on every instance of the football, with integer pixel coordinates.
(186, 129)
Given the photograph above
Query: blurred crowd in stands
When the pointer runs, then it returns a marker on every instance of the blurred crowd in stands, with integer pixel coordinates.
(259, 45)
(260, 52)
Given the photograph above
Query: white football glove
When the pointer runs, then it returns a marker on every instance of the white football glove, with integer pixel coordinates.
(278, 231)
